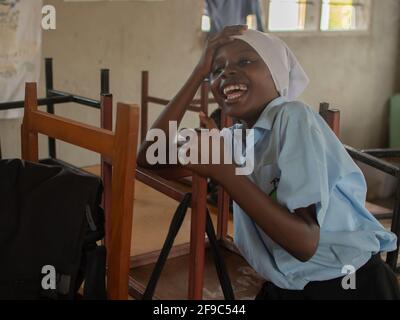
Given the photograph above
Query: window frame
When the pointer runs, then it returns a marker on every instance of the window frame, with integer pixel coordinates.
(318, 31)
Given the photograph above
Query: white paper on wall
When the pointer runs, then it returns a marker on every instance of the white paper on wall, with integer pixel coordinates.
(20, 49)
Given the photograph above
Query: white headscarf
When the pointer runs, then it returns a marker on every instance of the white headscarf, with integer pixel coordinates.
(287, 73)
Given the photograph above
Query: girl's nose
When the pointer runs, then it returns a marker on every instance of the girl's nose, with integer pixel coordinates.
(229, 71)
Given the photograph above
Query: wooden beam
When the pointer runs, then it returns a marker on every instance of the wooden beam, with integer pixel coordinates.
(29, 139)
(95, 139)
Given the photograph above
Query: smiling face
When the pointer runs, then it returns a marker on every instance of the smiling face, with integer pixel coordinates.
(241, 82)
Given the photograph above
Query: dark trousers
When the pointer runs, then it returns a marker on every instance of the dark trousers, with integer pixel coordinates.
(374, 281)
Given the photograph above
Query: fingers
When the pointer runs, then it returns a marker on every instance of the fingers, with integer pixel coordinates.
(220, 41)
(235, 29)
(225, 36)
(229, 31)
(222, 38)
(207, 121)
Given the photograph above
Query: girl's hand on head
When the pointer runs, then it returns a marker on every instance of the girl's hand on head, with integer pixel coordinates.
(221, 38)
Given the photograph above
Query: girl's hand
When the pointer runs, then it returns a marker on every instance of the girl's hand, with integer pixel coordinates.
(221, 38)
(214, 171)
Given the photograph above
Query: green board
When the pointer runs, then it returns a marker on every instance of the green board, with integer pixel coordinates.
(394, 122)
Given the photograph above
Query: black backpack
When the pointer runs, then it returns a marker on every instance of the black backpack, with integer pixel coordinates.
(50, 224)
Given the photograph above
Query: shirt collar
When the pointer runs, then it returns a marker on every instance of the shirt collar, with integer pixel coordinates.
(266, 118)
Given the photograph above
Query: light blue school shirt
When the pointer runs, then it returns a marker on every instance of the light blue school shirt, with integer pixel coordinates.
(292, 143)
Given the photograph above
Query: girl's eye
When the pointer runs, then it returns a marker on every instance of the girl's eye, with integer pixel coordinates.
(243, 62)
(216, 71)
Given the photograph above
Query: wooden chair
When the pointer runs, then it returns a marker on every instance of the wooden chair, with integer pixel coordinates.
(169, 182)
(373, 158)
(120, 150)
(331, 116)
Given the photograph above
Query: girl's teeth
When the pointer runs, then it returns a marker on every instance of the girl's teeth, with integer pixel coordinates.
(233, 96)
(234, 87)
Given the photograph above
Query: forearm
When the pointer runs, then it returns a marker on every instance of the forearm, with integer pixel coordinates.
(174, 111)
(291, 231)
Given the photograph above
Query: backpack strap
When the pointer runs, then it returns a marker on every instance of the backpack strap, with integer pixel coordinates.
(95, 274)
(94, 258)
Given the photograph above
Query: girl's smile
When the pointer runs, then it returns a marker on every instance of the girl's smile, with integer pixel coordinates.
(233, 92)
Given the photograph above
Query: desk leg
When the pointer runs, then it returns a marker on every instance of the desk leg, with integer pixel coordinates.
(106, 167)
(223, 213)
(197, 238)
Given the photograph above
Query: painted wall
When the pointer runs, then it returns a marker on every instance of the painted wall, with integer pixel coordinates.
(356, 73)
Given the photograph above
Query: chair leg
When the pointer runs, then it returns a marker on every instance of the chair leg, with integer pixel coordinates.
(392, 257)
(176, 224)
(197, 238)
(223, 213)
(174, 228)
(220, 265)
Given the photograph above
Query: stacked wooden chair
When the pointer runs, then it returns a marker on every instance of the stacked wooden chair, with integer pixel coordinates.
(118, 149)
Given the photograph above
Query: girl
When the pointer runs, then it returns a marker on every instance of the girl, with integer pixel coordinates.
(301, 222)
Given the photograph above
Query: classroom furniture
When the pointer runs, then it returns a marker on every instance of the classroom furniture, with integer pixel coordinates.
(172, 183)
(153, 213)
(56, 97)
(165, 180)
(119, 148)
(381, 159)
(394, 122)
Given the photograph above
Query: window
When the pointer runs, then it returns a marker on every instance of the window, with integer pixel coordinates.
(298, 15)
(286, 15)
(343, 15)
(251, 21)
(316, 15)
(205, 23)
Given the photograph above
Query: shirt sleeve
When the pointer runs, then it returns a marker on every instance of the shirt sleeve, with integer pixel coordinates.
(302, 162)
